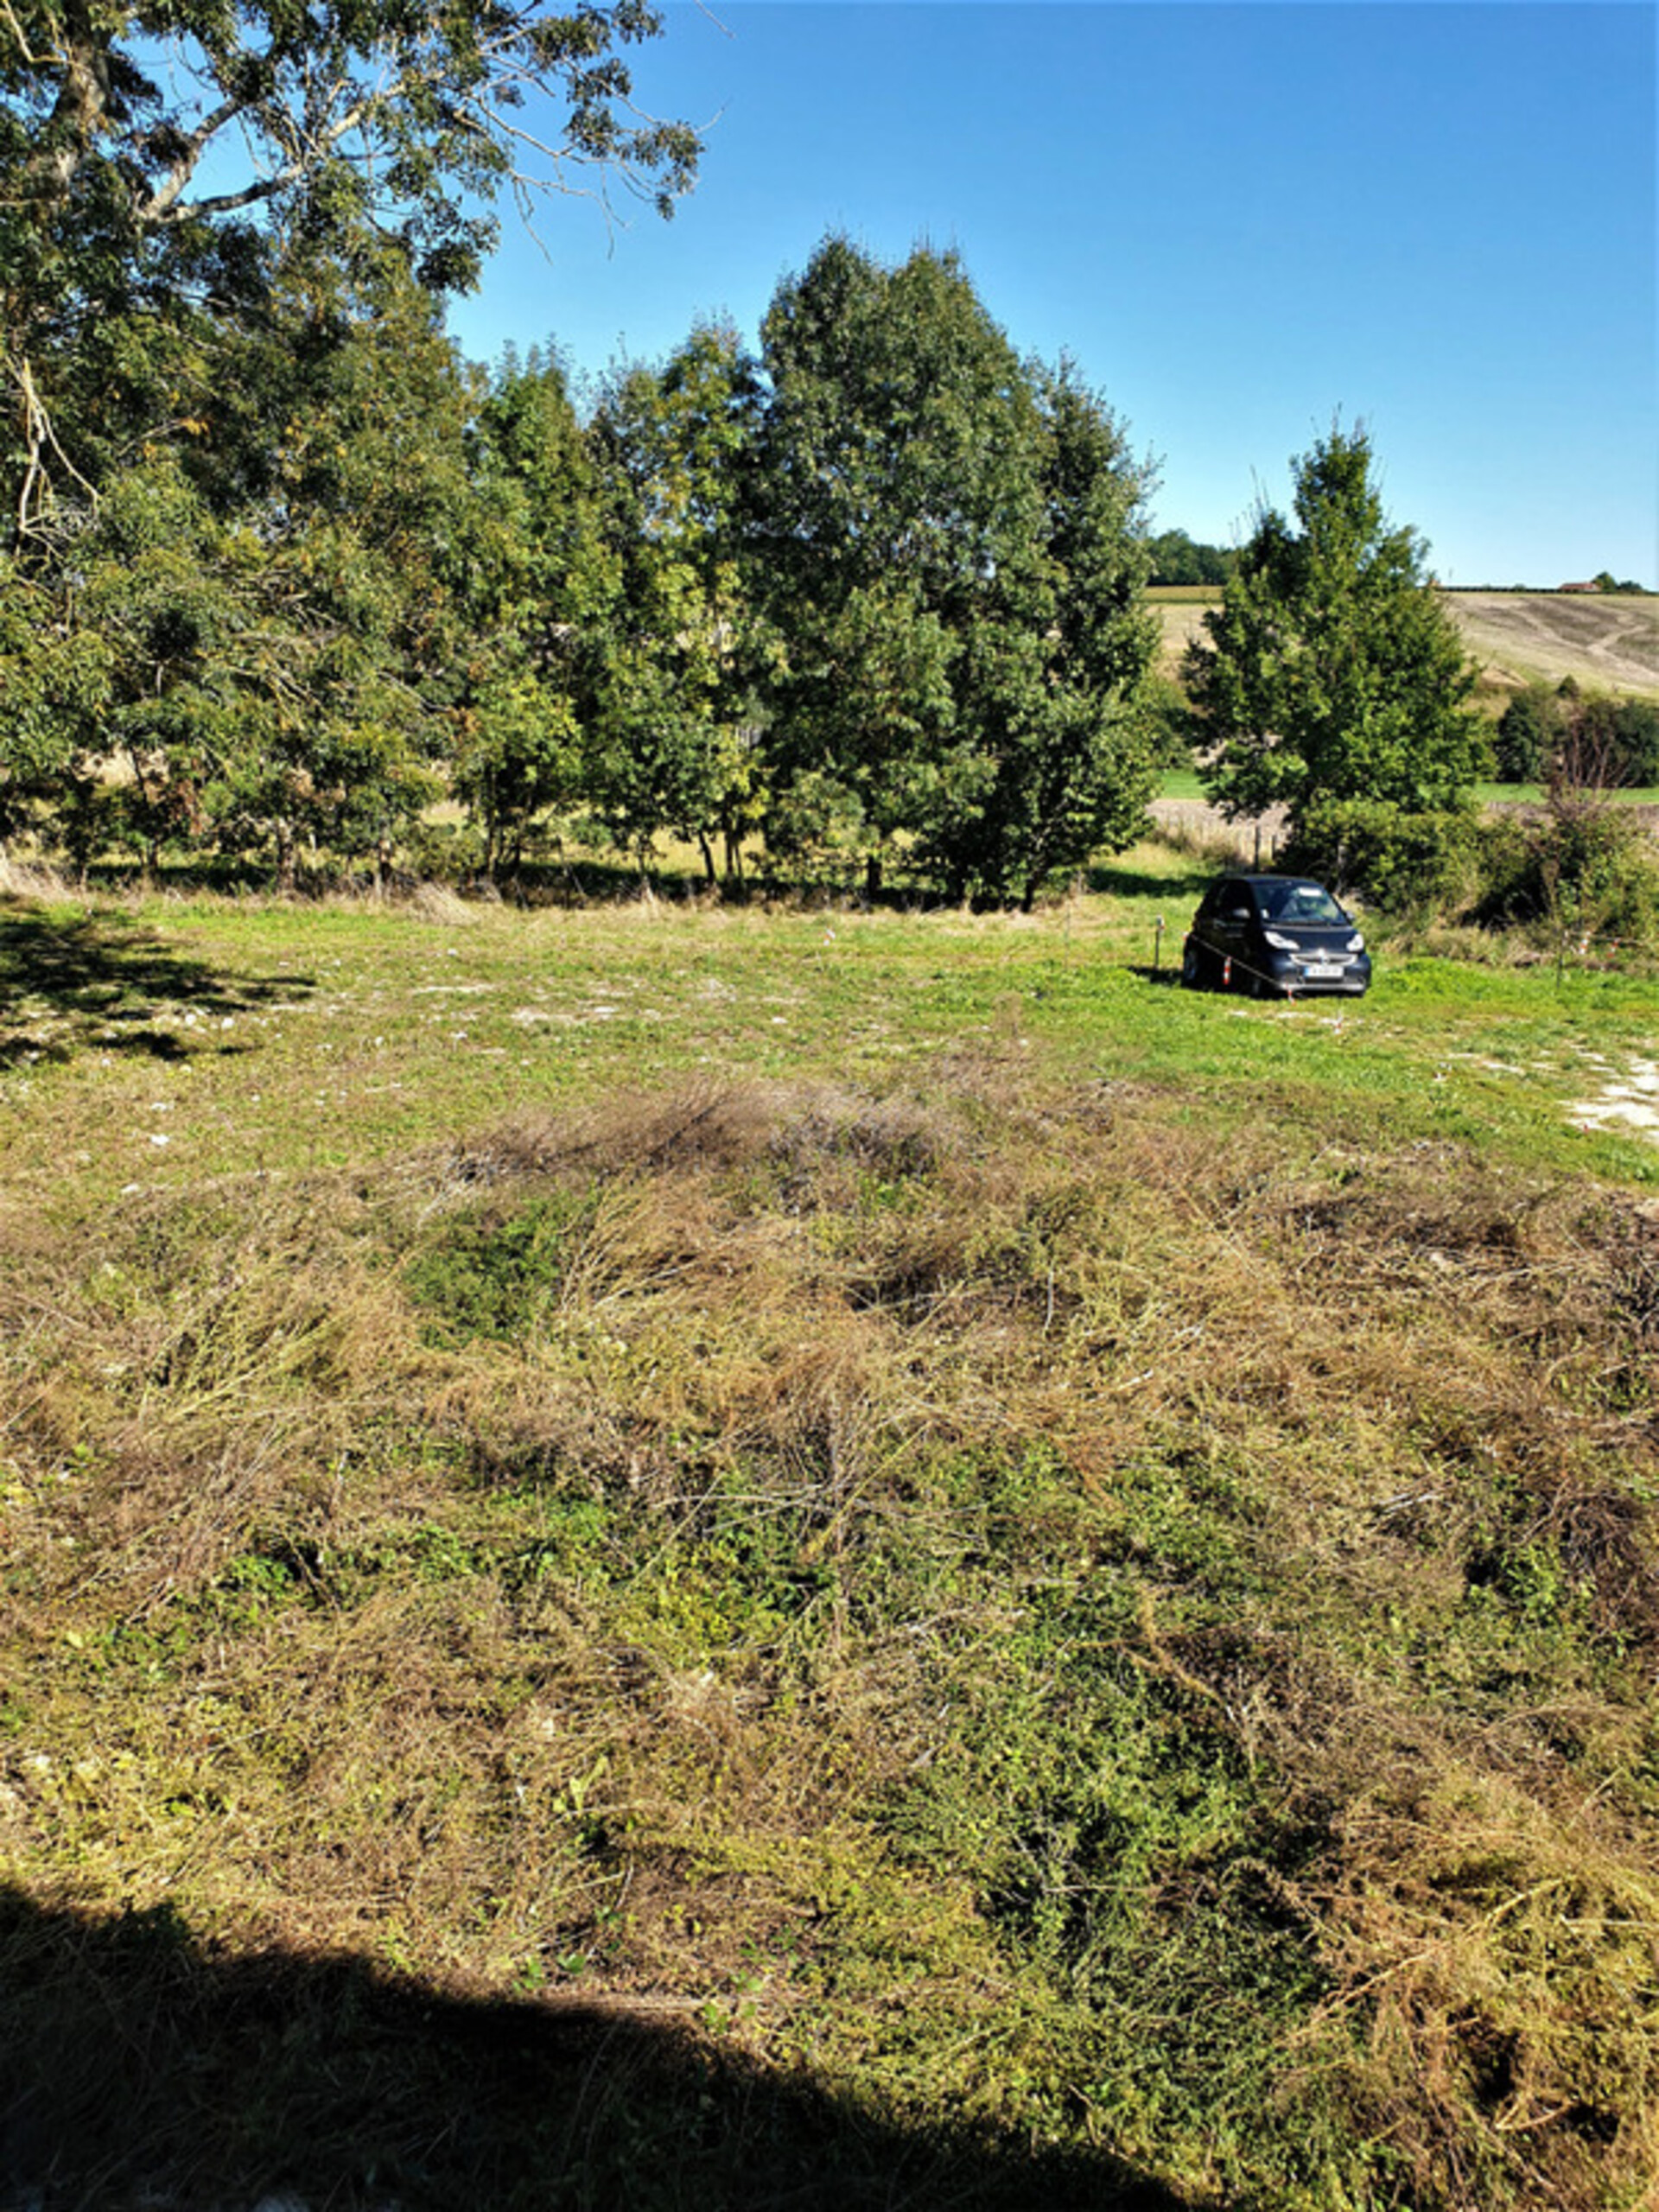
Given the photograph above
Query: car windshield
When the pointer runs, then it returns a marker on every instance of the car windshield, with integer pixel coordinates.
(1298, 902)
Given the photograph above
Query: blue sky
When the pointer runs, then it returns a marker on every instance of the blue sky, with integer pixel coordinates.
(1240, 220)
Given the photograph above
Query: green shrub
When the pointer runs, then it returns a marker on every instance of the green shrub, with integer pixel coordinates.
(1527, 732)
(1611, 739)
(446, 852)
(1582, 868)
(1588, 870)
(1417, 865)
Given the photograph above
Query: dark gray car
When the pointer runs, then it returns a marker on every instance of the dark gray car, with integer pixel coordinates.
(1274, 937)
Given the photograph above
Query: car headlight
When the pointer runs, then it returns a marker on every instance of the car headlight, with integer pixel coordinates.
(1357, 943)
(1279, 944)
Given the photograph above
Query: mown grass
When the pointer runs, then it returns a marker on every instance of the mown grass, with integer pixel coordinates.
(673, 1555)
(1186, 785)
(1533, 795)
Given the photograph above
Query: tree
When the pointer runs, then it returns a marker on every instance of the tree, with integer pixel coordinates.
(248, 634)
(948, 542)
(1177, 559)
(223, 236)
(1618, 737)
(1610, 740)
(1331, 671)
(536, 584)
(1527, 729)
(675, 743)
(888, 479)
(1066, 712)
(156, 152)
(1636, 733)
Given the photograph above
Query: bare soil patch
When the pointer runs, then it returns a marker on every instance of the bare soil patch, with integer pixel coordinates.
(1627, 1098)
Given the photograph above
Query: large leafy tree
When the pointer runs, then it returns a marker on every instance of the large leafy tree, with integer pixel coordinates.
(155, 152)
(1064, 714)
(337, 454)
(944, 538)
(1332, 671)
(244, 639)
(535, 583)
(674, 742)
(223, 235)
(889, 471)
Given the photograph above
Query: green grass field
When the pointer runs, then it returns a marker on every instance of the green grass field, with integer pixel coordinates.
(1183, 783)
(678, 1555)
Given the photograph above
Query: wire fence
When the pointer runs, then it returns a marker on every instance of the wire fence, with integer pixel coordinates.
(1195, 826)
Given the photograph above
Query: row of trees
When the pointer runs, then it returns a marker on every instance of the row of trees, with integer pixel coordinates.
(876, 588)
(277, 570)
(1176, 558)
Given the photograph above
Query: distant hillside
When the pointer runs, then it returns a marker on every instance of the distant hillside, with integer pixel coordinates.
(1607, 643)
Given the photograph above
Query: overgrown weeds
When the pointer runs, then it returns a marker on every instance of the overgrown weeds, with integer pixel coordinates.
(1105, 1630)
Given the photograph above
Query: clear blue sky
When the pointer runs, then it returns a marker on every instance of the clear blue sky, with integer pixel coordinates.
(1241, 220)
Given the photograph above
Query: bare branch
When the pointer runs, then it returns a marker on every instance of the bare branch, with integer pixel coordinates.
(26, 52)
(40, 439)
(180, 171)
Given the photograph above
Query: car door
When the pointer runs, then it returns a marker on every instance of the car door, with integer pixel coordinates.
(1230, 922)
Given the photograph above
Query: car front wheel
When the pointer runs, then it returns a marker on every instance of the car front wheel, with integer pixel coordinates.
(1195, 968)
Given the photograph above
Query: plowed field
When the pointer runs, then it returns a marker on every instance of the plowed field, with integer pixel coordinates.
(1607, 643)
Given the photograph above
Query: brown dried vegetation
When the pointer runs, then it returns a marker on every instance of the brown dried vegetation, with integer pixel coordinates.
(716, 1552)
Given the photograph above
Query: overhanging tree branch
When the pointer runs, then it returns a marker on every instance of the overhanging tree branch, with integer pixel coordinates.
(149, 166)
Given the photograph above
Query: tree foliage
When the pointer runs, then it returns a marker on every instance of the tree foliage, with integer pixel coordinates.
(1175, 558)
(532, 577)
(281, 568)
(675, 739)
(1331, 670)
(265, 575)
(257, 615)
(948, 541)
(159, 155)
(1610, 741)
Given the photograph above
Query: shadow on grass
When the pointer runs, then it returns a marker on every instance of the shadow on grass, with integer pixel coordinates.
(1183, 889)
(137, 2067)
(105, 983)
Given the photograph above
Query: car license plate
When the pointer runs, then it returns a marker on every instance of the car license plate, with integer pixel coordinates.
(1321, 971)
